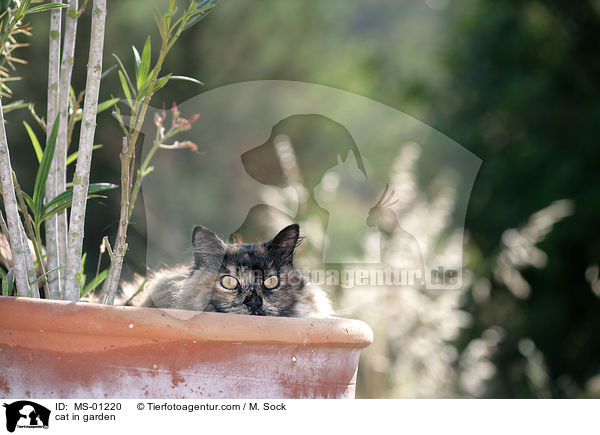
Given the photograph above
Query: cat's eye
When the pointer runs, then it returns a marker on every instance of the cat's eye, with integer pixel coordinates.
(271, 282)
(229, 282)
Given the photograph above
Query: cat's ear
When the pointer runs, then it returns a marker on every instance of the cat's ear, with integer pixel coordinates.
(209, 249)
(284, 243)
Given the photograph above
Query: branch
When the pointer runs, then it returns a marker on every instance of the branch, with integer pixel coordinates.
(81, 178)
(22, 260)
(109, 289)
(60, 155)
(54, 284)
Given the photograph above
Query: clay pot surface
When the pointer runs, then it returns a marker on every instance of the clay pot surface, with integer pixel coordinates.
(59, 349)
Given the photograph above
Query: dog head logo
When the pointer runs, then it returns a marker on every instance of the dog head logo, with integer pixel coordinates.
(26, 414)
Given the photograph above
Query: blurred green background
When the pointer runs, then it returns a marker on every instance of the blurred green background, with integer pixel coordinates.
(515, 82)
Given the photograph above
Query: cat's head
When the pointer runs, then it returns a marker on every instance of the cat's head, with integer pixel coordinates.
(246, 278)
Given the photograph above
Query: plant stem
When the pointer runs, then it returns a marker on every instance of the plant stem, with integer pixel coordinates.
(81, 178)
(60, 155)
(140, 176)
(22, 260)
(127, 157)
(33, 234)
(109, 288)
(54, 284)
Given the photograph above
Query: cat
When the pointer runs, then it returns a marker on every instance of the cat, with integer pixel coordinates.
(245, 278)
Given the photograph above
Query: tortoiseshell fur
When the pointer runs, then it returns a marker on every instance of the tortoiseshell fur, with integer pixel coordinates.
(198, 287)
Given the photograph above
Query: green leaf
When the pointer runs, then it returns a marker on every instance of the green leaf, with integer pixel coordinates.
(45, 7)
(123, 70)
(65, 198)
(124, 86)
(72, 157)
(8, 283)
(202, 10)
(62, 207)
(45, 274)
(44, 169)
(34, 141)
(107, 104)
(94, 283)
(138, 60)
(188, 79)
(81, 274)
(142, 77)
(161, 82)
(101, 108)
(160, 23)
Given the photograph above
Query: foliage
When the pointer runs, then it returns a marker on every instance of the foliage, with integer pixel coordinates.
(12, 13)
(515, 83)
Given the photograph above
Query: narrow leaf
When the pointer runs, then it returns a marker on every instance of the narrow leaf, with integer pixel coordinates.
(44, 169)
(123, 70)
(138, 61)
(45, 7)
(107, 104)
(160, 83)
(124, 86)
(160, 23)
(34, 141)
(82, 275)
(188, 79)
(204, 8)
(94, 283)
(145, 65)
(66, 197)
(45, 275)
(62, 207)
(72, 157)
(107, 72)
(8, 283)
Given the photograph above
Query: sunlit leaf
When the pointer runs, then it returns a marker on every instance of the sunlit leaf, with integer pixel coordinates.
(138, 61)
(160, 83)
(107, 104)
(34, 141)
(81, 274)
(72, 157)
(188, 79)
(145, 65)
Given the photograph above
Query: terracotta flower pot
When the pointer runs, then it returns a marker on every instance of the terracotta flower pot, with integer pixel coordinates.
(58, 349)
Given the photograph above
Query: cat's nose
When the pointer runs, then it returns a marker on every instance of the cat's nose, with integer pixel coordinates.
(253, 301)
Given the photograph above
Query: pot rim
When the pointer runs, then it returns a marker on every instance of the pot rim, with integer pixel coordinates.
(81, 318)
